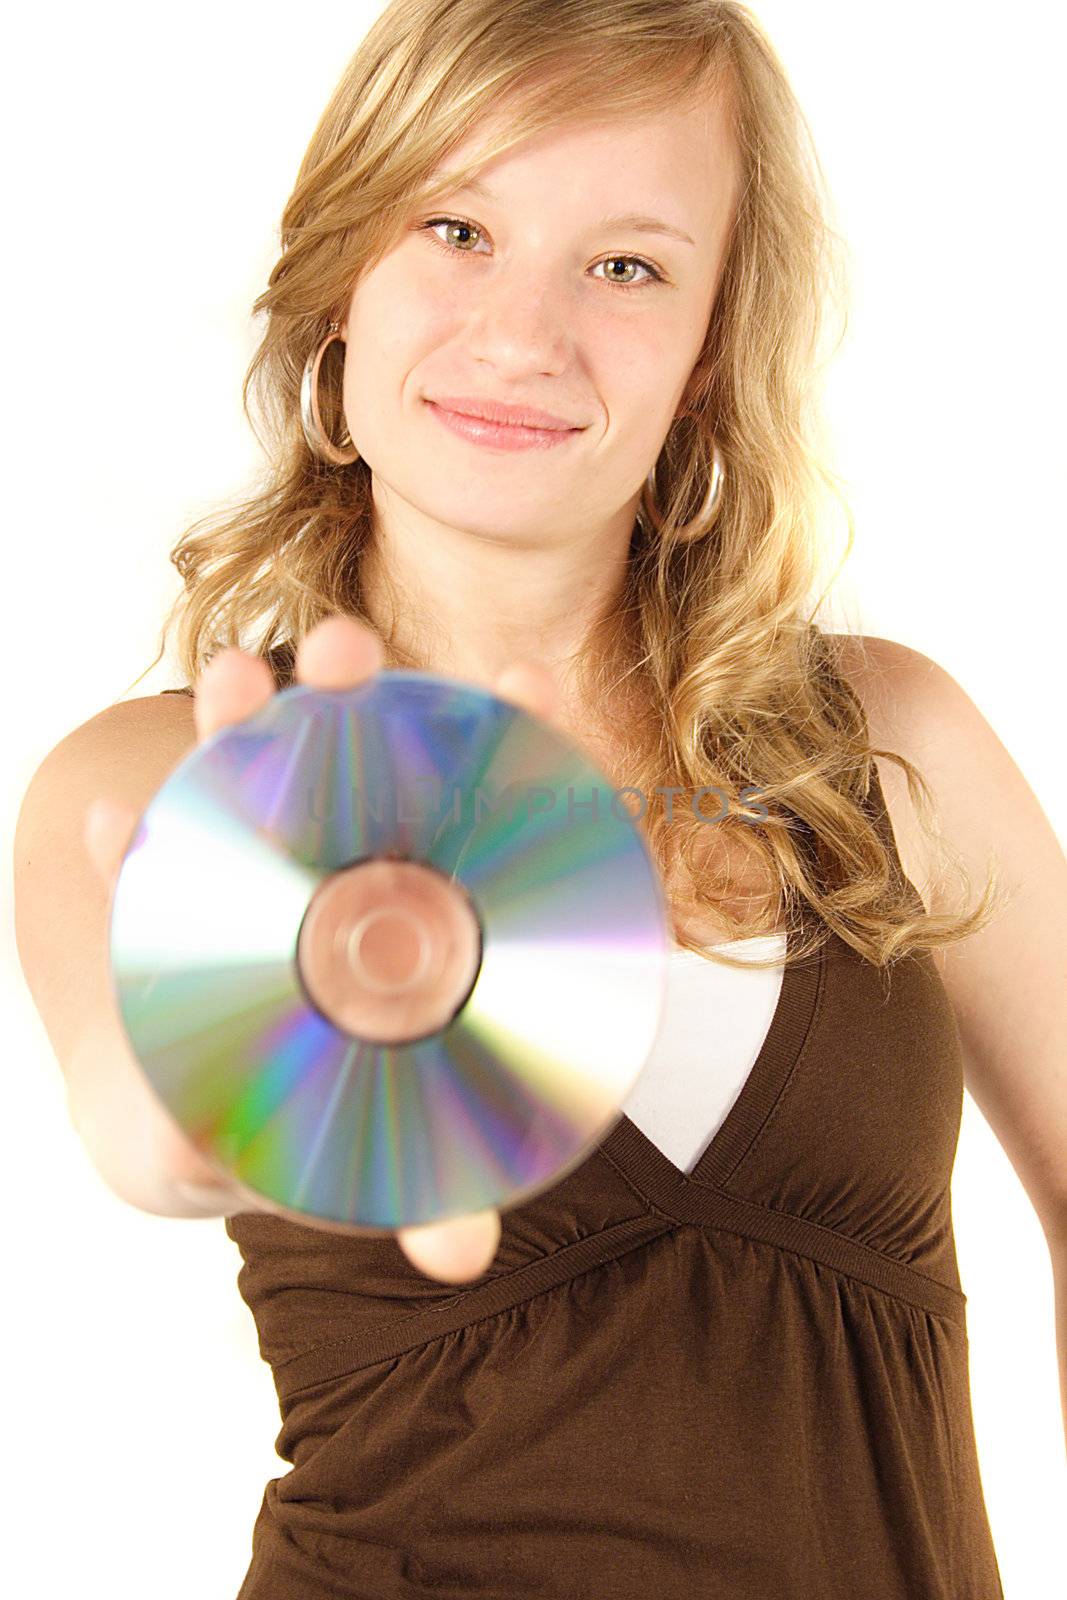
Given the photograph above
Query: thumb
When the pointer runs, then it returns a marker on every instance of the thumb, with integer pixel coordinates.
(456, 1250)
(108, 828)
(530, 686)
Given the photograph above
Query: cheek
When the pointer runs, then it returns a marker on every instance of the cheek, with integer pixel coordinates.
(637, 373)
(635, 360)
(389, 335)
(400, 310)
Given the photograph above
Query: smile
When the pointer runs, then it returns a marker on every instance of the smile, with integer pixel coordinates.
(501, 436)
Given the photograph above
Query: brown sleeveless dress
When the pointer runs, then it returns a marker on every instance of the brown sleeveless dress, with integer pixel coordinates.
(748, 1382)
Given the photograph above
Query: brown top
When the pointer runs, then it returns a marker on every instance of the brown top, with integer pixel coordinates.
(748, 1381)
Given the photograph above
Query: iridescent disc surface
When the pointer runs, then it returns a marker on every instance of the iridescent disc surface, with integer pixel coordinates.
(533, 1068)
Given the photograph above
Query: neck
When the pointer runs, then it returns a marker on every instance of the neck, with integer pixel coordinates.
(466, 605)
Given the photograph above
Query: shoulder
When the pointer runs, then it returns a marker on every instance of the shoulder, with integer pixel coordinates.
(123, 752)
(985, 810)
(898, 688)
(886, 676)
(151, 725)
(906, 696)
(915, 708)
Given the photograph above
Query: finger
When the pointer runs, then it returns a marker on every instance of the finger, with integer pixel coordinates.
(232, 686)
(456, 1250)
(530, 686)
(108, 829)
(339, 652)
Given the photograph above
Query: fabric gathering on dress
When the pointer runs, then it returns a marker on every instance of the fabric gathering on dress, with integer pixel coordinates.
(735, 1365)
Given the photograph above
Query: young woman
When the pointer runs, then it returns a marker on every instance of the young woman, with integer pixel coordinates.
(538, 361)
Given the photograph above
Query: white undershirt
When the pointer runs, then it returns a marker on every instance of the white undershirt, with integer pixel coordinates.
(712, 1029)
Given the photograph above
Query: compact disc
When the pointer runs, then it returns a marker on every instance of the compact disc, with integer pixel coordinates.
(303, 1097)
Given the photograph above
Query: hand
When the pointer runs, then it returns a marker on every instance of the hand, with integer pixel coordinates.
(339, 653)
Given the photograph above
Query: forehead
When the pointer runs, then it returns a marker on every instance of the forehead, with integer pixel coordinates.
(679, 162)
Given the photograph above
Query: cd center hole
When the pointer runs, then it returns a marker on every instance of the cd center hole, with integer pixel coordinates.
(389, 949)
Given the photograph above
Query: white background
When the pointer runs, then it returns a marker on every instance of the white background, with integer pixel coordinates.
(148, 155)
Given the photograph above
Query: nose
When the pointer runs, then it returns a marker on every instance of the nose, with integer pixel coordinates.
(520, 328)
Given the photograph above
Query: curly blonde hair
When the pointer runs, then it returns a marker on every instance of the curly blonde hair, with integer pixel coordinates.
(740, 688)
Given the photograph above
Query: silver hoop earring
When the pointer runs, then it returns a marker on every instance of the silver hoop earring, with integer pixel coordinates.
(310, 420)
(702, 522)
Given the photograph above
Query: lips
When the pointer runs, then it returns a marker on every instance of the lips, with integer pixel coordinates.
(500, 436)
(521, 416)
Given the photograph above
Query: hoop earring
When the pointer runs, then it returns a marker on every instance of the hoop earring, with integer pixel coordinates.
(310, 420)
(701, 523)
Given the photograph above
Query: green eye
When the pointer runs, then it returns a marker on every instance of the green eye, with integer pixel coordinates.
(655, 276)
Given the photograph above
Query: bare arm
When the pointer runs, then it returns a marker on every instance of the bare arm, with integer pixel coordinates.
(61, 909)
(64, 873)
(1059, 1287)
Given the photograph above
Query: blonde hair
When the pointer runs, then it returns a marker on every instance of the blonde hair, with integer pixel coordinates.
(740, 688)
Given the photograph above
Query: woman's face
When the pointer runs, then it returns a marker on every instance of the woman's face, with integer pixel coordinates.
(540, 300)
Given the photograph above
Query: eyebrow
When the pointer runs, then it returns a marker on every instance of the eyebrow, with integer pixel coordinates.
(637, 222)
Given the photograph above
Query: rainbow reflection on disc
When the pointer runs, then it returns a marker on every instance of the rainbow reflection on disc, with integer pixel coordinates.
(533, 1068)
